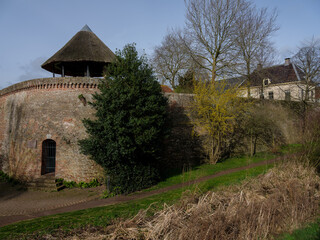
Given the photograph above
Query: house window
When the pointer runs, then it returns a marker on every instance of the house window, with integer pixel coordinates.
(287, 96)
(270, 95)
(266, 82)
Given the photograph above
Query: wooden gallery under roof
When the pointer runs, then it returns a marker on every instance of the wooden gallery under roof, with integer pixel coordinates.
(84, 55)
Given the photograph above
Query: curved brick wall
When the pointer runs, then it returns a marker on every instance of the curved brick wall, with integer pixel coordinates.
(40, 109)
(50, 108)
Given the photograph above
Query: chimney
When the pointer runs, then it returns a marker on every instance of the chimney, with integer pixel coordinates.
(287, 61)
(259, 66)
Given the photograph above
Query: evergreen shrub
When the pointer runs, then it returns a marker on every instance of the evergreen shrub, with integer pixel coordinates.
(127, 134)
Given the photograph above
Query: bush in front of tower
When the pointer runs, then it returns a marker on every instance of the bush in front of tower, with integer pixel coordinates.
(126, 137)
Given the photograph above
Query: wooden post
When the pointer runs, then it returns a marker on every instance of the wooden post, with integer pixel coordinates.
(62, 71)
(88, 72)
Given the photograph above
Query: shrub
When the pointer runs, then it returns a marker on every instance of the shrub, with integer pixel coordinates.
(126, 137)
(261, 129)
(6, 178)
(215, 111)
(73, 184)
(311, 138)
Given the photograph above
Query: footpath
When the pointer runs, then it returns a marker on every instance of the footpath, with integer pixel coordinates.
(52, 203)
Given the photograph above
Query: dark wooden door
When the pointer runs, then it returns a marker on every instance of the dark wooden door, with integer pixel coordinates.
(48, 156)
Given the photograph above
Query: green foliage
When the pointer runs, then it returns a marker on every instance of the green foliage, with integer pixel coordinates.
(291, 148)
(6, 178)
(82, 99)
(185, 82)
(127, 134)
(72, 184)
(309, 232)
(115, 191)
(259, 128)
(216, 109)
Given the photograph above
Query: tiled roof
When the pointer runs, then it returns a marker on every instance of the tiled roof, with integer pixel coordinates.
(277, 74)
(165, 88)
(232, 82)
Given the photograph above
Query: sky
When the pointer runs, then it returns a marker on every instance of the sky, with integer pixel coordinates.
(34, 30)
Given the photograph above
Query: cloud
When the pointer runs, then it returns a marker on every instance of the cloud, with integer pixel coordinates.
(33, 70)
(28, 71)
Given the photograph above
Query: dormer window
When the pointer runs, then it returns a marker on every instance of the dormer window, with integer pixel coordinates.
(266, 82)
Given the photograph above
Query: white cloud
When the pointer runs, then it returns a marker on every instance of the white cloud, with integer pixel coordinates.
(33, 70)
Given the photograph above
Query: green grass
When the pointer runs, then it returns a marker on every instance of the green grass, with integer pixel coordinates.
(234, 162)
(310, 232)
(102, 216)
(291, 148)
(209, 169)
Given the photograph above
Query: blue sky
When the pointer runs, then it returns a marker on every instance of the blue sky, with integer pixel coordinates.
(33, 30)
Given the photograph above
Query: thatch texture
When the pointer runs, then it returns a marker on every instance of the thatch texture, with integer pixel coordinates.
(84, 49)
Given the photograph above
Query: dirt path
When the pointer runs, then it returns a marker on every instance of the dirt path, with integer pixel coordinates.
(73, 202)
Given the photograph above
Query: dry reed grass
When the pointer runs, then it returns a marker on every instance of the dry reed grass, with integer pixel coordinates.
(277, 201)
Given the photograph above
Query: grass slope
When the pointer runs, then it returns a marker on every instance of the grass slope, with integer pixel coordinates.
(103, 216)
(310, 232)
(209, 169)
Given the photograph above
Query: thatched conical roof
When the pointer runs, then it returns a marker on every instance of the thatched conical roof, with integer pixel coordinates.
(84, 49)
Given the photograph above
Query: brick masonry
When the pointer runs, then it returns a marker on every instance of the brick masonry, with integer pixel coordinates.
(50, 108)
(40, 109)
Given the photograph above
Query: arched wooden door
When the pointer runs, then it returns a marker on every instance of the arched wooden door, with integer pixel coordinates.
(48, 156)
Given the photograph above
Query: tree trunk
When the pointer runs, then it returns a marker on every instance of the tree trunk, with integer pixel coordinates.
(255, 146)
(251, 145)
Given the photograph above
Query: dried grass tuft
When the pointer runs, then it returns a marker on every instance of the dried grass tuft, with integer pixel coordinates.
(259, 208)
(270, 204)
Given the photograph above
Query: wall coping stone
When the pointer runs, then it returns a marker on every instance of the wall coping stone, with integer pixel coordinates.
(46, 83)
(67, 82)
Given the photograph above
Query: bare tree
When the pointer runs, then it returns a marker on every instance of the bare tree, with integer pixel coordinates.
(252, 40)
(210, 31)
(307, 59)
(170, 60)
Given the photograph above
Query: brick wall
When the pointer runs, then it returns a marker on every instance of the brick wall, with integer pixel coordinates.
(183, 148)
(40, 109)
